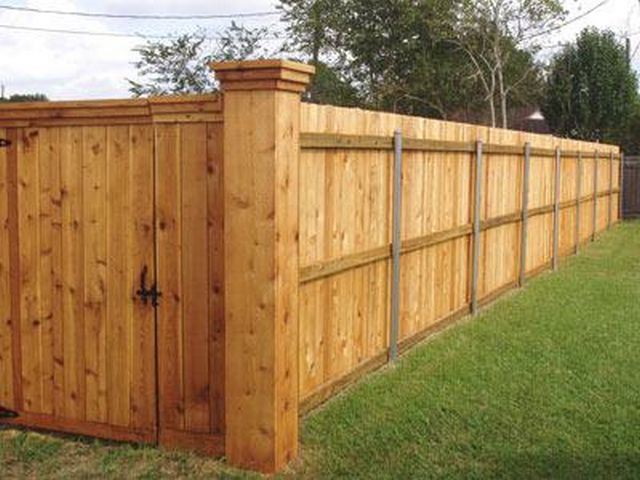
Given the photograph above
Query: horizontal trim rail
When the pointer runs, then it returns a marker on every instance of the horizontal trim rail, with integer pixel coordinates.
(324, 141)
(181, 109)
(319, 270)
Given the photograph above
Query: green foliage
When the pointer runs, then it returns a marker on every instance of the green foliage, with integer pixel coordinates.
(26, 97)
(591, 91)
(406, 55)
(328, 87)
(181, 65)
(388, 50)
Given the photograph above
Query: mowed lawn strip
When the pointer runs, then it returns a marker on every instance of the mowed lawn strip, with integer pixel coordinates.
(545, 383)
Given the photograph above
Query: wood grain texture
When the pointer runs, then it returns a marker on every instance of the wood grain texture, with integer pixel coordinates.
(345, 215)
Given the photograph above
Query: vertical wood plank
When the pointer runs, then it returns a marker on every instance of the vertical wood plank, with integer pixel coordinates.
(72, 188)
(119, 335)
(29, 247)
(6, 331)
(13, 135)
(95, 272)
(215, 202)
(141, 252)
(169, 254)
(195, 310)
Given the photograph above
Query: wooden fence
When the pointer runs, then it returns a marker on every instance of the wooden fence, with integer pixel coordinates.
(197, 271)
(631, 188)
(524, 224)
(97, 198)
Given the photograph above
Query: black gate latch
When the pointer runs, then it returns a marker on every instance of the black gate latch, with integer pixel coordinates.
(4, 143)
(152, 293)
(6, 413)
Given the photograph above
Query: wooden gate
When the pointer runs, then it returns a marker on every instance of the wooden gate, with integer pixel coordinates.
(631, 188)
(100, 202)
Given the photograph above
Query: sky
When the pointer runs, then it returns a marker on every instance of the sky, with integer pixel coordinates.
(67, 67)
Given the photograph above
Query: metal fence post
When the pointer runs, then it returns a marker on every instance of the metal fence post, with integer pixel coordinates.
(578, 196)
(610, 217)
(396, 246)
(595, 196)
(476, 227)
(525, 213)
(556, 212)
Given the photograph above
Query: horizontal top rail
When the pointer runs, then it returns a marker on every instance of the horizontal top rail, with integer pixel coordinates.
(311, 141)
(152, 110)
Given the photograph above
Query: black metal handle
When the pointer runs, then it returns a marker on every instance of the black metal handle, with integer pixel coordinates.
(143, 293)
(4, 143)
(146, 294)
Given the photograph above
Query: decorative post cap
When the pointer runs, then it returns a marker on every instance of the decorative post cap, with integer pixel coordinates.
(263, 75)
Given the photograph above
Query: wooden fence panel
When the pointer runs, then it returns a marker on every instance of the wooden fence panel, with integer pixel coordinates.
(190, 349)
(84, 190)
(346, 150)
(75, 202)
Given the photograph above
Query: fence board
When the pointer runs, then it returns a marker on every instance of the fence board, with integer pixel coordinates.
(345, 212)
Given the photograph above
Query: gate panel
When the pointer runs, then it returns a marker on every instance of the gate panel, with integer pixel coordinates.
(190, 272)
(85, 227)
(6, 356)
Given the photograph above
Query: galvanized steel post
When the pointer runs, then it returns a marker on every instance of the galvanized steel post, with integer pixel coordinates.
(578, 196)
(525, 213)
(396, 246)
(556, 212)
(476, 228)
(610, 217)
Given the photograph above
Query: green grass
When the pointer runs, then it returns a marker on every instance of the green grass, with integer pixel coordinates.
(544, 384)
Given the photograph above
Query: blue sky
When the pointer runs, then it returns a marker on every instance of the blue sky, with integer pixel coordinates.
(75, 67)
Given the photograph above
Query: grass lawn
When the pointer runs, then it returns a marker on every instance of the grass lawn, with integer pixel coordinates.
(546, 383)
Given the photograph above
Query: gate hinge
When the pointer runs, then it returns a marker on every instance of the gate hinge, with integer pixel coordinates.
(4, 143)
(6, 413)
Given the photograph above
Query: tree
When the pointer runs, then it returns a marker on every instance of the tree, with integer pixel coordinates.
(181, 65)
(389, 51)
(500, 39)
(591, 91)
(438, 58)
(25, 97)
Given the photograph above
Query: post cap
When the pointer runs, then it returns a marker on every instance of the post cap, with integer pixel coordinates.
(281, 75)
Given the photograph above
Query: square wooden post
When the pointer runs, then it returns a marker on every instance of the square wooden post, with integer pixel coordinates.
(261, 154)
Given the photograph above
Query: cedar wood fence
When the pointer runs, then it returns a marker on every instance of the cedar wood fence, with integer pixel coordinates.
(197, 271)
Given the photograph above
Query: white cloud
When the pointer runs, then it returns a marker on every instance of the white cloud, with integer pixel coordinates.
(72, 67)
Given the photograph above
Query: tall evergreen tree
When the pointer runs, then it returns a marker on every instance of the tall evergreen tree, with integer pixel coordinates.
(591, 91)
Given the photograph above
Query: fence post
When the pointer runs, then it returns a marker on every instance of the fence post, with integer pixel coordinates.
(621, 187)
(396, 246)
(595, 196)
(525, 213)
(556, 211)
(477, 193)
(579, 197)
(261, 146)
(610, 217)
